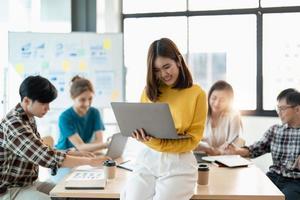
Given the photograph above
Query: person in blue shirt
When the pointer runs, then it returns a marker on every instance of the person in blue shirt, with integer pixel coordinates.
(81, 126)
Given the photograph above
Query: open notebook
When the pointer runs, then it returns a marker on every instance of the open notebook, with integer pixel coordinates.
(228, 160)
(92, 178)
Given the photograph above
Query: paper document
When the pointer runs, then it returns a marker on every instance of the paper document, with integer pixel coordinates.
(86, 175)
(87, 168)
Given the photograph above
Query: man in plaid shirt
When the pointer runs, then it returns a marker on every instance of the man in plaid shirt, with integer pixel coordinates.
(21, 147)
(283, 141)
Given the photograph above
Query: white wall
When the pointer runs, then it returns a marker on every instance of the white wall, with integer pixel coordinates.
(254, 128)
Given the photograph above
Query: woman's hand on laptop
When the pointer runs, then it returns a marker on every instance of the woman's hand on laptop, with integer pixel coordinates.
(140, 135)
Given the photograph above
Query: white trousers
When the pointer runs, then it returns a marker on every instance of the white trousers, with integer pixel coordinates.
(162, 176)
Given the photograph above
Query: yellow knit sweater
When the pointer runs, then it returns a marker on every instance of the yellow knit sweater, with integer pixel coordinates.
(188, 108)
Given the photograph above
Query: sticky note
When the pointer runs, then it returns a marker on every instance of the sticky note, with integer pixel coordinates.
(66, 65)
(115, 95)
(20, 68)
(106, 43)
(82, 65)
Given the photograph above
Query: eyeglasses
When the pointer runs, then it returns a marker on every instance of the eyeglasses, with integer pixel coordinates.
(283, 108)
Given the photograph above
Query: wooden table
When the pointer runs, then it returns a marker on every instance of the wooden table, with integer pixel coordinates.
(248, 183)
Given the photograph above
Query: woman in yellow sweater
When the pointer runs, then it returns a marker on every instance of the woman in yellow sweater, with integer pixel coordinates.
(167, 169)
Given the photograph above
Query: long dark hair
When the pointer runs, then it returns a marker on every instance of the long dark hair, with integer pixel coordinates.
(166, 48)
(219, 85)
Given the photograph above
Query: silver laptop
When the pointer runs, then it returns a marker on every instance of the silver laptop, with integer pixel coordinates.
(116, 146)
(154, 118)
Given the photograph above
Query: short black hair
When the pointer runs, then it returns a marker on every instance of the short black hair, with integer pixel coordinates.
(37, 88)
(293, 98)
(283, 94)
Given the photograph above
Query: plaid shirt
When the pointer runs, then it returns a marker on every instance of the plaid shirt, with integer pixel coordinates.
(22, 150)
(284, 144)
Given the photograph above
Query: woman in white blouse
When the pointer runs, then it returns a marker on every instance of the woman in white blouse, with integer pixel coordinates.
(223, 125)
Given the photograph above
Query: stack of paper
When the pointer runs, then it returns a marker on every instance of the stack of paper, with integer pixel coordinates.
(92, 178)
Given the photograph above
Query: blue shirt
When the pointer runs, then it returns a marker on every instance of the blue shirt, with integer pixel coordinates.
(70, 123)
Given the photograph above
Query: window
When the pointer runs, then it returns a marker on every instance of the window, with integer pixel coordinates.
(221, 4)
(136, 48)
(32, 15)
(249, 46)
(281, 55)
(225, 48)
(39, 15)
(29, 15)
(279, 3)
(108, 16)
(137, 6)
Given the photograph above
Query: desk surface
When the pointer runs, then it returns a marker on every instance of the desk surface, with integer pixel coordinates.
(247, 183)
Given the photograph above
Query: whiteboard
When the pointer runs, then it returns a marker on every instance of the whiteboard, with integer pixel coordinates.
(60, 56)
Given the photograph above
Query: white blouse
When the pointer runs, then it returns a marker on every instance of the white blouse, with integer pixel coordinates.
(229, 126)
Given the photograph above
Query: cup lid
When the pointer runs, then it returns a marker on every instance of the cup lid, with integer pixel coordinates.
(109, 163)
(203, 167)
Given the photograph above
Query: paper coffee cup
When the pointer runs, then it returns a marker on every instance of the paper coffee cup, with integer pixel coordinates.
(109, 167)
(203, 174)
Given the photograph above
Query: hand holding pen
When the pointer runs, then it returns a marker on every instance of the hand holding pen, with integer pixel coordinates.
(227, 143)
(233, 139)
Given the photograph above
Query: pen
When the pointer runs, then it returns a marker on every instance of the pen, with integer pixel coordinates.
(233, 139)
(215, 164)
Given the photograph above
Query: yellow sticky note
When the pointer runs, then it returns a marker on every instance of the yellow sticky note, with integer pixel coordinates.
(20, 68)
(106, 43)
(115, 95)
(66, 65)
(82, 65)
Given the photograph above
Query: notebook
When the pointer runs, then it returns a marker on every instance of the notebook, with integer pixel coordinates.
(228, 160)
(86, 179)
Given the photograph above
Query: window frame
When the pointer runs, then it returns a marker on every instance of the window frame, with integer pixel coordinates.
(259, 12)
